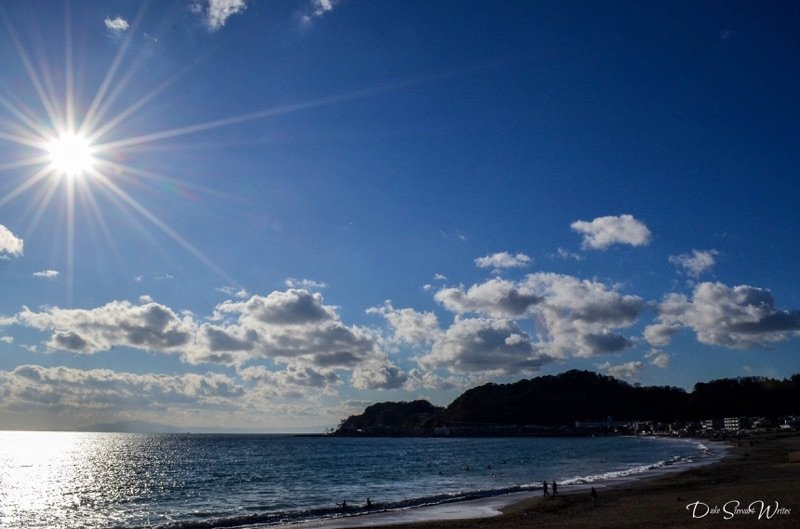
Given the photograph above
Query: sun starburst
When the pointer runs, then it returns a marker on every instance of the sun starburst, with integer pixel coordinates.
(77, 144)
(70, 155)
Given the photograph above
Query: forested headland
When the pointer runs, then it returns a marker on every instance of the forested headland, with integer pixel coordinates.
(574, 401)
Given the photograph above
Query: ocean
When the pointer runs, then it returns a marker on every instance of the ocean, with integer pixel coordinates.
(109, 480)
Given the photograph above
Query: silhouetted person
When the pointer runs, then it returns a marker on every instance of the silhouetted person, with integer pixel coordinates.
(344, 505)
(555, 488)
(593, 493)
(544, 488)
(369, 503)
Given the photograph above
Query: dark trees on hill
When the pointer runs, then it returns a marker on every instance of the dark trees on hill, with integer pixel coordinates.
(557, 400)
(392, 417)
(564, 399)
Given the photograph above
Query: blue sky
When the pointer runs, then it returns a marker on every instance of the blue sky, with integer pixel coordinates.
(266, 215)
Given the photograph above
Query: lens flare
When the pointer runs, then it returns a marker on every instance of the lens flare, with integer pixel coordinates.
(70, 155)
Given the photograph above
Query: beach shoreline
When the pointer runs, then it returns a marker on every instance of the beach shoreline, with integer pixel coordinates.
(705, 494)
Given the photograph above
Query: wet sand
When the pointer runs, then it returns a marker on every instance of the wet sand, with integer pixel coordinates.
(766, 469)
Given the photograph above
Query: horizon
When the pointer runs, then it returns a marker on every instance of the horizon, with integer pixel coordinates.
(238, 214)
(147, 427)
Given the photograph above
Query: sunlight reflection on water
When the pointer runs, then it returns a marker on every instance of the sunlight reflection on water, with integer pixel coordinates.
(100, 480)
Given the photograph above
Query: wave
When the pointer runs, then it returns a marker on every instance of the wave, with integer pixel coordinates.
(633, 471)
(322, 513)
(289, 516)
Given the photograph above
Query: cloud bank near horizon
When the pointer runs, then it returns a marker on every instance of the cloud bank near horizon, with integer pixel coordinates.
(289, 349)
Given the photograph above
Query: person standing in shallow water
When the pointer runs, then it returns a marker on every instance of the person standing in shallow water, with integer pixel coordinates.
(544, 488)
(555, 488)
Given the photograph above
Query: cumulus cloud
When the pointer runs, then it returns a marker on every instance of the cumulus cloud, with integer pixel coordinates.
(419, 379)
(658, 358)
(47, 274)
(660, 334)
(603, 232)
(695, 263)
(116, 24)
(292, 307)
(408, 325)
(304, 283)
(738, 317)
(628, 370)
(496, 297)
(295, 381)
(97, 389)
(7, 339)
(290, 325)
(294, 326)
(483, 345)
(502, 260)
(573, 317)
(150, 327)
(378, 375)
(10, 244)
(216, 12)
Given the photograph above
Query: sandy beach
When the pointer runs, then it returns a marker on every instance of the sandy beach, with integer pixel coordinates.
(757, 484)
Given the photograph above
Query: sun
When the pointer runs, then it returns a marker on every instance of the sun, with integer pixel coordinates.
(70, 155)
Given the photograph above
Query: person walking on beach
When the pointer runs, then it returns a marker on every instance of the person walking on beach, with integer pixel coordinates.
(544, 488)
(593, 493)
(555, 488)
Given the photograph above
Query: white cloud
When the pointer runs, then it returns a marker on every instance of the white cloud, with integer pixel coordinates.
(573, 317)
(482, 345)
(47, 274)
(497, 298)
(439, 277)
(9, 243)
(418, 379)
(295, 381)
(561, 253)
(239, 293)
(502, 260)
(660, 334)
(7, 339)
(292, 307)
(658, 358)
(408, 325)
(216, 12)
(318, 8)
(65, 388)
(378, 375)
(116, 24)
(739, 317)
(322, 6)
(305, 283)
(628, 370)
(291, 325)
(603, 232)
(150, 327)
(695, 263)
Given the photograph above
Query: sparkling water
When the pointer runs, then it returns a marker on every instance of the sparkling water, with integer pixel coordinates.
(103, 480)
